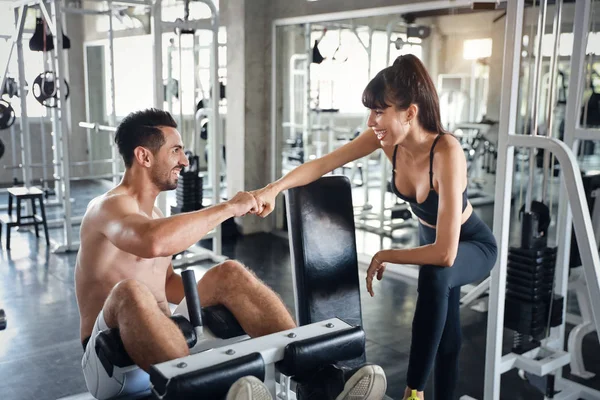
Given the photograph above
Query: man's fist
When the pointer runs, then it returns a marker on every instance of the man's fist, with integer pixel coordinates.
(243, 203)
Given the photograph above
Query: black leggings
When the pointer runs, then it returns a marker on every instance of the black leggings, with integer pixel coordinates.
(436, 334)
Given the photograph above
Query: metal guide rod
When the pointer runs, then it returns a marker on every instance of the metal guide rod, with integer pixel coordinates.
(20, 14)
(535, 99)
(552, 90)
(216, 125)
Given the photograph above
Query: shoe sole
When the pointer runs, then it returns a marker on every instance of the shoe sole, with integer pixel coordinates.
(249, 388)
(373, 390)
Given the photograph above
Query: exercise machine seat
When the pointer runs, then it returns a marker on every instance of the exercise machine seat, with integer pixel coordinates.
(305, 356)
(207, 383)
(323, 253)
(218, 319)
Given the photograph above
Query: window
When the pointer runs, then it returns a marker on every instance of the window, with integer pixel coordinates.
(338, 82)
(565, 46)
(474, 49)
(134, 78)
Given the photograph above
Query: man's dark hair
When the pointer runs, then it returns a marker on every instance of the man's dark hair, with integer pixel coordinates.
(142, 128)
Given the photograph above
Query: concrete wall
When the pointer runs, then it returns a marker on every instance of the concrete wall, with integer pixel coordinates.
(248, 93)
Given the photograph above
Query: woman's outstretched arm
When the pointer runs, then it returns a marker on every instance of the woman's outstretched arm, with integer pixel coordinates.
(363, 145)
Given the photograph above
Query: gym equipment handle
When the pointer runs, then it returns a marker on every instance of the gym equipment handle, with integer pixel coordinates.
(192, 298)
(2, 320)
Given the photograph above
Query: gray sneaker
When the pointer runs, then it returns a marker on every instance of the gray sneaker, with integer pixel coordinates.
(368, 383)
(249, 388)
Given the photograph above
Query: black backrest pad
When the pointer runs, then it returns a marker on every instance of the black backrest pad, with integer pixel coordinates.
(208, 383)
(323, 251)
(323, 245)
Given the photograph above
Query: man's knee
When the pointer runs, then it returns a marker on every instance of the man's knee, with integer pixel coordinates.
(129, 294)
(233, 274)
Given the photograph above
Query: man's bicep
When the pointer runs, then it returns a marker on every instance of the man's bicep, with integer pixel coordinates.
(123, 225)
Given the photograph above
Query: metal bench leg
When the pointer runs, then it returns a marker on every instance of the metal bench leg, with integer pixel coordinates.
(44, 223)
(37, 230)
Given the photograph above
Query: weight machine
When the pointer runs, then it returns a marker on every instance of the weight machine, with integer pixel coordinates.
(60, 114)
(547, 359)
(195, 253)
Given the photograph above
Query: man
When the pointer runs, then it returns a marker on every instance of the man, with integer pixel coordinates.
(124, 278)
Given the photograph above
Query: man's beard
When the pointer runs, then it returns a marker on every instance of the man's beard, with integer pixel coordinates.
(163, 183)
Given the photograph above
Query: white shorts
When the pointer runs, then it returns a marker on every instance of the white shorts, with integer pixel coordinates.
(125, 381)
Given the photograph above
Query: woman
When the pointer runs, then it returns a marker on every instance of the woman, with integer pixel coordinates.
(430, 173)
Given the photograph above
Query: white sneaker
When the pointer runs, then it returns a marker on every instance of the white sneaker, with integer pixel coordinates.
(249, 388)
(368, 383)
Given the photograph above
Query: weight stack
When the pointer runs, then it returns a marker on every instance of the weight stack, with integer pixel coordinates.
(529, 281)
(188, 193)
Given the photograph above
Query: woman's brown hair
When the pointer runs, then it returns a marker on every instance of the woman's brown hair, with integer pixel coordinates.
(404, 83)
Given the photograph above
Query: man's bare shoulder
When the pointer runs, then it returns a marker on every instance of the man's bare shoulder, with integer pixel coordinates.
(111, 205)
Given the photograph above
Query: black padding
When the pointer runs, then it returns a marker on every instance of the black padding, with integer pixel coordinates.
(111, 351)
(186, 328)
(209, 383)
(221, 322)
(307, 355)
(322, 237)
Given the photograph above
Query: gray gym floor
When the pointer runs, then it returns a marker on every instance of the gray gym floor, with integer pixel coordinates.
(40, 352)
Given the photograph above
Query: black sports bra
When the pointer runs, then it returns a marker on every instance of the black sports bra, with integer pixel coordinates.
(428, 209)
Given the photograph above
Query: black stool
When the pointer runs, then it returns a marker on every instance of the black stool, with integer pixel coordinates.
(24, 193)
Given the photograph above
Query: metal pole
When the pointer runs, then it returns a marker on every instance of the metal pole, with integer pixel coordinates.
(215, 135)
(292, 90)
(196, 60)
(88, 133)
(306, 131)
(63, 128)
(535, 100)
(274, 154)
(44, 158)
(565, 219)
(25, 131)
(112, 117)
(156, 28)
(43, 132)
(13, 147)
(56, 149)
(504, 181)
(168, 86)
(552, 90)
(383, 162)
(179, 87)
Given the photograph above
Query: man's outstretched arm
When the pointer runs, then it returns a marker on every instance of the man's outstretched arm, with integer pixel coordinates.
(122, 223)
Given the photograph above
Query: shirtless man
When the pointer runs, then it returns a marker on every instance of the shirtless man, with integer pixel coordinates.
(124, 278)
